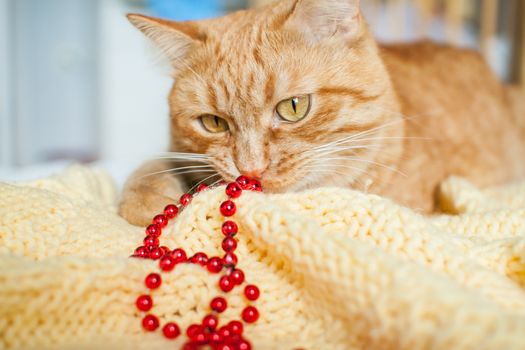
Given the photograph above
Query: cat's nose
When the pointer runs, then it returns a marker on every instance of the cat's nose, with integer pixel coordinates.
(254, 172)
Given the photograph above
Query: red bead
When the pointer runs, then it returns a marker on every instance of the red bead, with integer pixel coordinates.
(202, 337)
(250, 314)
(190, 346)
(144, 303)
(185, 199)
(167, 263)
(235, 327)
(225, 346)
(226, 283)
(215, 338)
(153, 281)
(171, 210)
(255, 185)
(160, 220)
(202, 188)
(141, 252)
(210, 321)
(218, 304)
(229, 244)
(197, 333)
(234, 339)
(229, 259)
(229, 228)
(225, 333)
(153, 230)
(150, 323)
(192, 330)
(251, 292)
(244, 345)
(243, 181)
(199, 258)
(179, 255)
(233, 190)
(237, 276)
(171, 330)
(214, 264)
(228, 208)
(156, 254)
(165, 250)
(151, 241)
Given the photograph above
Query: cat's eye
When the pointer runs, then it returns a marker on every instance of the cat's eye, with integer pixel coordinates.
(294, 109)
(214, 124)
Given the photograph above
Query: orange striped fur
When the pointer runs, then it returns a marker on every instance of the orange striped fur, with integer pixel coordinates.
(390, 120)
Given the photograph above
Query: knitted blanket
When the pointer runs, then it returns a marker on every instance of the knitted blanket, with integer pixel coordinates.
(337, 269)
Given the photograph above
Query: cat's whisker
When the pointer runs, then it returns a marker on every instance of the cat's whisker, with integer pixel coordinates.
(183, 159)
(430, 114)
(344, 147)
(193, 172)
(359, 170)
(175, 171)
(357, 159)
(348, 139)
(182, 172)
(185, 153)
(321, 153)
(376, 129)
(331, 150)
(326, 171)
(203, 180)
(393, 138)
(216, 182)
(340, 147)
(316, 169)
(182, 155)
(356, 136)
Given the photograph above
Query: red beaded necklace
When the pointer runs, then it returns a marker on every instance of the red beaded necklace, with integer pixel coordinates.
(221, 337)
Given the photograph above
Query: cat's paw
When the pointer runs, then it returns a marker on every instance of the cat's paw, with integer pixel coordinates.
(139, 205)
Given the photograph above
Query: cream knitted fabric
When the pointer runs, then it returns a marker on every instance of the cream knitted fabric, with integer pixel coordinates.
(337, 269)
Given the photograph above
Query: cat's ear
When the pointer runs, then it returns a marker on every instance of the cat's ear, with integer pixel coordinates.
(174, 39)
(320, 19)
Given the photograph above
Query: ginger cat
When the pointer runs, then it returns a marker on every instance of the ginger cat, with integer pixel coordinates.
(299, 95)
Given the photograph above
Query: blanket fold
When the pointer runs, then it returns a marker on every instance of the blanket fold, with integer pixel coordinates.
(337, 269)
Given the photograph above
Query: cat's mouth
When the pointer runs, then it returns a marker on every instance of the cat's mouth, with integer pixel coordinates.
(268, 185)
(272, 182)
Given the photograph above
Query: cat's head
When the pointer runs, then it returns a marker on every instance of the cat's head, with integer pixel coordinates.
(294, 93)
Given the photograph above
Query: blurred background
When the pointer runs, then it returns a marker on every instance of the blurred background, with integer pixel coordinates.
(79, 83)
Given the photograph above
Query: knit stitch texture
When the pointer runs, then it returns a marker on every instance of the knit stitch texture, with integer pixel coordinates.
(337, 269)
